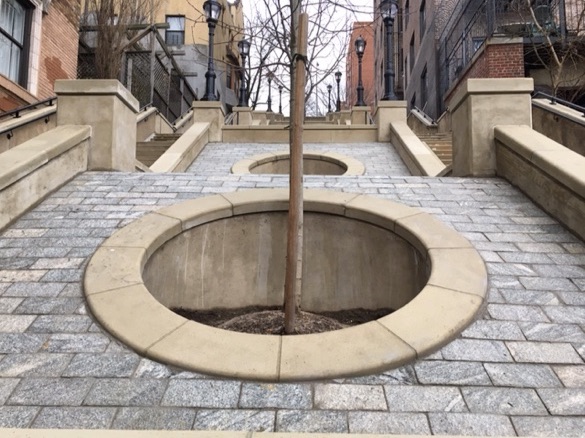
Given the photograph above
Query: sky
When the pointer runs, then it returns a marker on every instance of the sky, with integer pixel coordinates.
(357, 10)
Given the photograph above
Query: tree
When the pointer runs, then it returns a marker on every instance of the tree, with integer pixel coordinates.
(557, 43)
(110, 24)
(269, 29)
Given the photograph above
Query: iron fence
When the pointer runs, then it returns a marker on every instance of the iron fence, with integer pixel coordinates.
(475, 21)
(150, 73)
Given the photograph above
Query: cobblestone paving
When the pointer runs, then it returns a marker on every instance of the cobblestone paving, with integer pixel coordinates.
(519, 369)
(378, 158)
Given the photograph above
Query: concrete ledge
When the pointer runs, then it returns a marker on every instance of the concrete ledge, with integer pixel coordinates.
(119, 300)
(491, 86)
(312, 133)
(184, 151)
(35, 168)
(27, 126)
(418, 157)
(550, 174)
(96, 87)
(352, 166)
(559, 123)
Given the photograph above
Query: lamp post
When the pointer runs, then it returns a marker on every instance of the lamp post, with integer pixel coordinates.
(338, 80)
(269, 101)
(329, 87)
(212, 10)
(244, 47)
(280, 99)
(360, 48)
(388, 10)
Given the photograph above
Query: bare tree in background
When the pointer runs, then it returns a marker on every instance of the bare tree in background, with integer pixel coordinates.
(111, 22)
(269, 29)
(557, 41)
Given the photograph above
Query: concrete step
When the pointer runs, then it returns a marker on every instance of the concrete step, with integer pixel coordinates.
(441, 144)
(147, 152)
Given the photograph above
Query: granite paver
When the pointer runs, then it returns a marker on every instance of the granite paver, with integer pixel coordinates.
(517, 370)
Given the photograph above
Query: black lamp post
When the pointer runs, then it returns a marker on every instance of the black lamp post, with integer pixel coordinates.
(389, 9)
(338, 80)
(244, 47)
(280, 99)
(269, 101)
(360, 48)
(329, 87)
(212, 10)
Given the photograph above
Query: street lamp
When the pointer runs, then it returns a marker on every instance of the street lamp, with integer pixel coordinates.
(244, 47)
(269, 101)
(329, 87)
(389, 9)
(212, 10)
(280, 99)
(360, 48)
(338, 80)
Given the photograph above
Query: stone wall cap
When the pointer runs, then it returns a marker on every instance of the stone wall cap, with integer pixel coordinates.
(491, 86)
(96, 87)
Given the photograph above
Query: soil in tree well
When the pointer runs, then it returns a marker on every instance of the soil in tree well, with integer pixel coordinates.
(270, 320)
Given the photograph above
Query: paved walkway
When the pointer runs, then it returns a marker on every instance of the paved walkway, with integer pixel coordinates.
(519, 369)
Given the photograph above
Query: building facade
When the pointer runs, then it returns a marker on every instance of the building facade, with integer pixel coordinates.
(187, 35)
(38, 45)
(441, 43)
(366, 31)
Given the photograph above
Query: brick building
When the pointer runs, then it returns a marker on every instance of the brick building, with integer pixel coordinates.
(38, 46)
(441, 43)
(366, 31)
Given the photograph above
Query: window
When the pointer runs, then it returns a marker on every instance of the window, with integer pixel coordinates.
(423, 88)
(175, 34)
(14, 32)
(406, 13)
(422, 18)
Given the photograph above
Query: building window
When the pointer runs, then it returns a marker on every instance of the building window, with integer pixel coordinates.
(422, 19)
(423, 88)
(175, 34)
(15, 16)
(406, 13)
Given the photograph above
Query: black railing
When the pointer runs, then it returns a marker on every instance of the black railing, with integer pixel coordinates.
(472, 22)
(554, 100)
(15, 113)
(151, 73)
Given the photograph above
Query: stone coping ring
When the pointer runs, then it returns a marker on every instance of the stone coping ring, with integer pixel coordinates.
(119, 300)
(345, 165)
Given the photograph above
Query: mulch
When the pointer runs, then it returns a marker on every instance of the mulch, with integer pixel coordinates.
(270, 320)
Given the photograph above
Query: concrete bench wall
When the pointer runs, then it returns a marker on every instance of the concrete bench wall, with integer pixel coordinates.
(550, 174)
(32, 170)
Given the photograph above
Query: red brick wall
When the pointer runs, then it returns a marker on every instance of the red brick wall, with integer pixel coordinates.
(59, 43)
(366, 30)
(496, 61)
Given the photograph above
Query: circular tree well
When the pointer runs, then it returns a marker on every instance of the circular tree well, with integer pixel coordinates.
(228, 251)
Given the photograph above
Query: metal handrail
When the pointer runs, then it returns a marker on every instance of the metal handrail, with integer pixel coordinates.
(16, 112)
(424, 115)
(229, 119)
(554, 100)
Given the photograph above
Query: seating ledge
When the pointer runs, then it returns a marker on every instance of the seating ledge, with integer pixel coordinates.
(25, 158)
(552, 158)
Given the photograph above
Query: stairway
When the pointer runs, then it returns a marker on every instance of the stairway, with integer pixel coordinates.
(441, 144)
(147, 152)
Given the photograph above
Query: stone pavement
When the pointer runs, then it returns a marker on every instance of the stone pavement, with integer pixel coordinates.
(518, 370)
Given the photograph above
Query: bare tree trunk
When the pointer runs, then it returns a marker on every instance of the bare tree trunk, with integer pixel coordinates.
(294, 261)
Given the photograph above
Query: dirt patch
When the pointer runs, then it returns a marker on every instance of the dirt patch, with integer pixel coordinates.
(270, 320)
